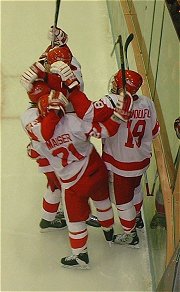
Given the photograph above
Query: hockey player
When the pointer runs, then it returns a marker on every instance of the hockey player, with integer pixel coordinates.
(51, 200)
(83, 174)
(126, 154)
(40, 71)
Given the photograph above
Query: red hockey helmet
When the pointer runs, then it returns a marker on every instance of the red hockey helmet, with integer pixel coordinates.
(133, 82)
(59, 54)
(39, 88)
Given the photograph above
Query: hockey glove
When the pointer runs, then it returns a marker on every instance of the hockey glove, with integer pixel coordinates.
(57, 36)
(57, 101)
(29, 76)
(39, 69)
(67, 75)
(123, 107)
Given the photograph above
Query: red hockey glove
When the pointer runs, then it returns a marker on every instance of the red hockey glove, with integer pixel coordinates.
(123, 107)
(67, 75)
(29, 76)
(39, 69)
(53, 101)
(57, 101)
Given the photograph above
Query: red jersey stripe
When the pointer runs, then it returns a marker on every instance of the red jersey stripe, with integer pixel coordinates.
(127, 166)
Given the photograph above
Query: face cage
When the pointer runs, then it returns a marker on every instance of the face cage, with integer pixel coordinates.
(112, 87)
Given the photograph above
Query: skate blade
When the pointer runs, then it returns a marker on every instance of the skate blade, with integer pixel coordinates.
(51, 229)
(85, 267)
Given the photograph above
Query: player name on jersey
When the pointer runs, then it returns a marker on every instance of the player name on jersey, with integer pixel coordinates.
(56, 141)
(141, 113)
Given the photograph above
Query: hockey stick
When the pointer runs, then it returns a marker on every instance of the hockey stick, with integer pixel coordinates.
(147, 184)
(122, 64)
(127, 42)
(126, 45)
(58, 2)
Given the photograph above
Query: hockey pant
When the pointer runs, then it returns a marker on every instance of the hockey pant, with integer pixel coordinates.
(128, 205)
(52, 197)
(93, 184)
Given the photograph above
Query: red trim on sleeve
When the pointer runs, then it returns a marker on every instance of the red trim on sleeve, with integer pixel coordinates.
(111, 126)
(156, 129)
(102, 114)
(80, 102)
(48, 125)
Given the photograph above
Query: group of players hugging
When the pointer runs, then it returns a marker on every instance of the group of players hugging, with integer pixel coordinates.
(60, 123)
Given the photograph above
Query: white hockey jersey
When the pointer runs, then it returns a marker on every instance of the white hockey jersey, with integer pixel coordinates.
(128, 152)
(69, 148)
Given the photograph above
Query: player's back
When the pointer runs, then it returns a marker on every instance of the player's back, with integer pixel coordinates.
(69, 148)
(128, 152)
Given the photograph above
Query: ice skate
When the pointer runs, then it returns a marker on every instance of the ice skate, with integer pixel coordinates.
(127, 239)
(79, 261)
(139, 221)
(56, 224)
(60, 215)
(93, 221)
(109, 233)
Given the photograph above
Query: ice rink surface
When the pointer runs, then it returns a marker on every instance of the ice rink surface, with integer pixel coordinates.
(30, 260)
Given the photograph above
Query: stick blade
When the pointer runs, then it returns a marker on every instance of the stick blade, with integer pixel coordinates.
(128, 41)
